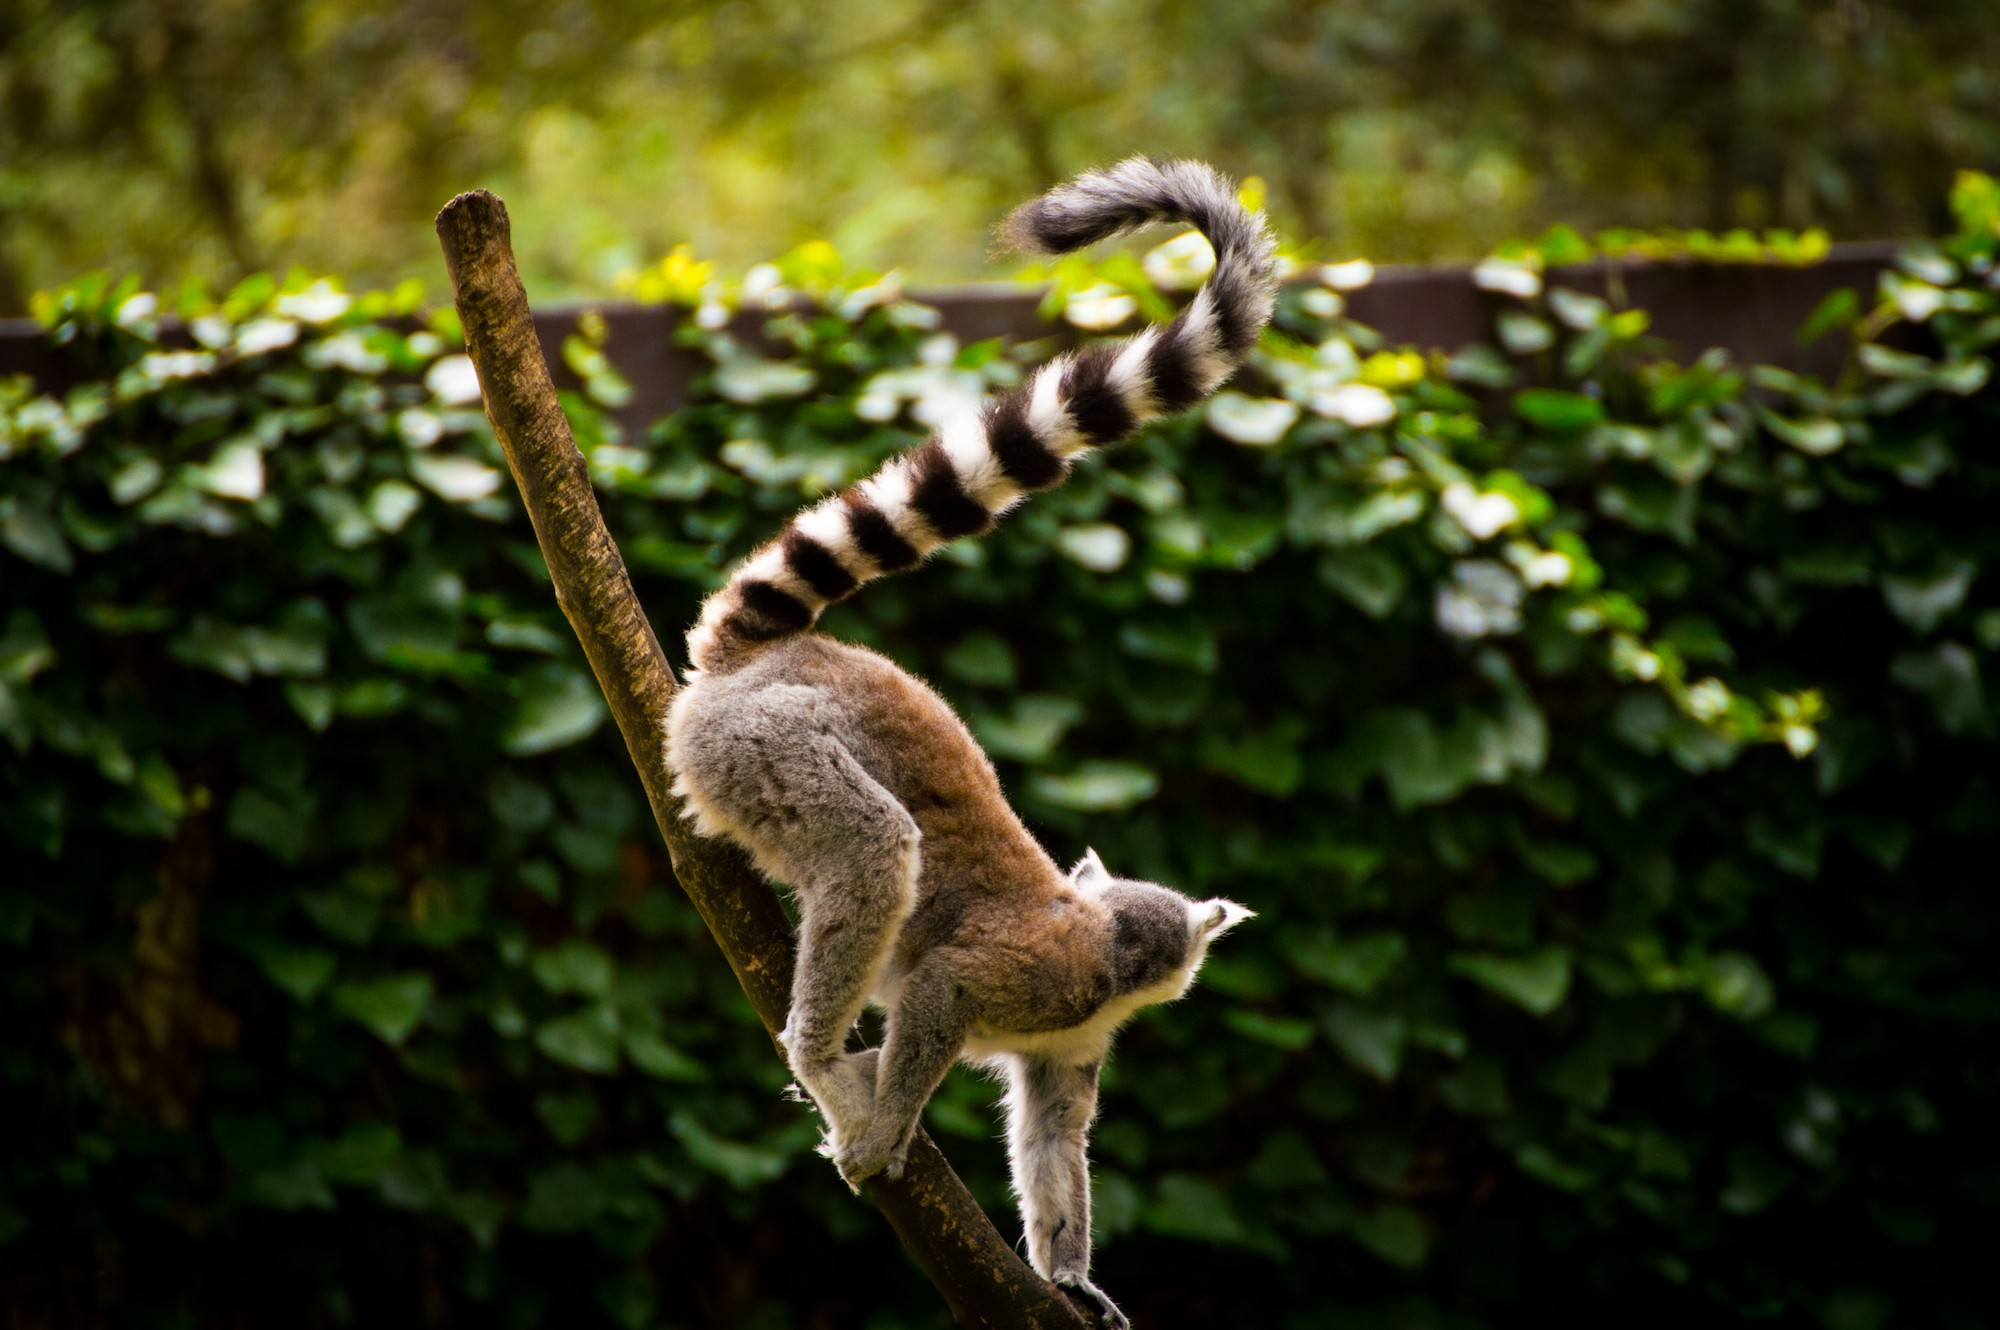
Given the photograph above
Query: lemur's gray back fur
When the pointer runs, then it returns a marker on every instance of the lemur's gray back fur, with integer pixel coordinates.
(973, 469)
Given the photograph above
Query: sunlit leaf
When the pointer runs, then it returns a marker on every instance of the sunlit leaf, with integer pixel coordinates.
(1558, 410)
(562, 707)
(1104, 786)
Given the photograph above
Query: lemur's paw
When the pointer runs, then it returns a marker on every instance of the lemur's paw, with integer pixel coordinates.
(1108, 1315)
(861, 1160)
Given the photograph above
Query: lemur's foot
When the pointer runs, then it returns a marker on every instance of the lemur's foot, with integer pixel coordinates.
(872, 1152)
(1108, 1315)
(863, 1159)
(844, 1092)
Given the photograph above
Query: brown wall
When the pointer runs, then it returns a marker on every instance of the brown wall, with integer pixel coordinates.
(1752, 310)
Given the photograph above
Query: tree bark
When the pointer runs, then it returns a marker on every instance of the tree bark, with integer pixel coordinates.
(974, 1268)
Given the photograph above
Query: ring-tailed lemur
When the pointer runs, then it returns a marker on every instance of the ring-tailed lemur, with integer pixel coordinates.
(854, 783)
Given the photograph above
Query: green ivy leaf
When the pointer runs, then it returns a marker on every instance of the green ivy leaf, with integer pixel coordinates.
(1033, 729)
(657, 1058)
(740, 1165)
(1287, 1032)
(1947, 675)
(1395, 1234)
(297, 1185)
(1194, 1208)
(1097, 786)
(1924, 601)
(1815, 436)
(569, 1116)
(391, 1007)
(1270, 761)
(982, 658)
(1561, 862)
(1372, 1040)
(1537, 982)
(343, 914)
(1356, 964)
(1370, 579)
(574, 967)
(562, 1199)
(32, 532)
(1557, 410)
(281, 821)
(559, 707)
(1098, 546)
(455, 479)
(586, 1039)
(360, 1154)
(300, 971)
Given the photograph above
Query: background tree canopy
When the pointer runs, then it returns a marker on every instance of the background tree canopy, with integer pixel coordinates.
(211, 138)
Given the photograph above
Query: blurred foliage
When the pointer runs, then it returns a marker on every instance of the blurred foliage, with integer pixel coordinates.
(1605, 742)
(203, 138)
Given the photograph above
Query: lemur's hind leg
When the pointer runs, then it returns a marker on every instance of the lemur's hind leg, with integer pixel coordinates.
(847, 928)
(817, 820)
(768, 766)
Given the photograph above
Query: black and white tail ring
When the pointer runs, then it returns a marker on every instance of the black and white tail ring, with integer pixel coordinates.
(974, 468)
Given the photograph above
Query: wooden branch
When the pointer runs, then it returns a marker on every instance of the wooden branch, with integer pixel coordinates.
(976, 1270)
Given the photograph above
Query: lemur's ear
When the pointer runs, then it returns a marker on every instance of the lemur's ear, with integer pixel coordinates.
(1089, 873)
(1222, 916)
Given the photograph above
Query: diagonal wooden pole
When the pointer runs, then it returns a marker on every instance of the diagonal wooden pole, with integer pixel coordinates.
(982, 1280)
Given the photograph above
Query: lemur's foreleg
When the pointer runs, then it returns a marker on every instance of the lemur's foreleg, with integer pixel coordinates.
(1049, 1108)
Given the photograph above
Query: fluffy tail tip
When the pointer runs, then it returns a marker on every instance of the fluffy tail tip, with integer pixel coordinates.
(1092, 207)
(1020, 233)
(1137, 192)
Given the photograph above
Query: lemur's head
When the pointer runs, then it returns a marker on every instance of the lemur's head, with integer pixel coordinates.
(1161, 937)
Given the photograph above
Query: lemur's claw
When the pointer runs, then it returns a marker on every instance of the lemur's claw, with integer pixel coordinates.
(1108, 1315)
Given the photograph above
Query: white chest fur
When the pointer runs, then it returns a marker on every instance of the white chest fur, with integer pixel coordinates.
(1078, 1044)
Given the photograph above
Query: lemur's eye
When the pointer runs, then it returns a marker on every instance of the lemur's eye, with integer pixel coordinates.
(1127, 936)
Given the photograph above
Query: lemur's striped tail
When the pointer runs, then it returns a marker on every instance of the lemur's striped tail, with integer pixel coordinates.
(977, 467)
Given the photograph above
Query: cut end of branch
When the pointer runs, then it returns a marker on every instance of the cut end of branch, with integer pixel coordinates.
(472, 203)
(472, 224)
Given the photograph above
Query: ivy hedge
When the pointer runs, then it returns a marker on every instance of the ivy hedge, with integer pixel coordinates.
(1606, 742)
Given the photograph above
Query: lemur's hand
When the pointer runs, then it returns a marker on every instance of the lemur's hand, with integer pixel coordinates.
(1108, 1315)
